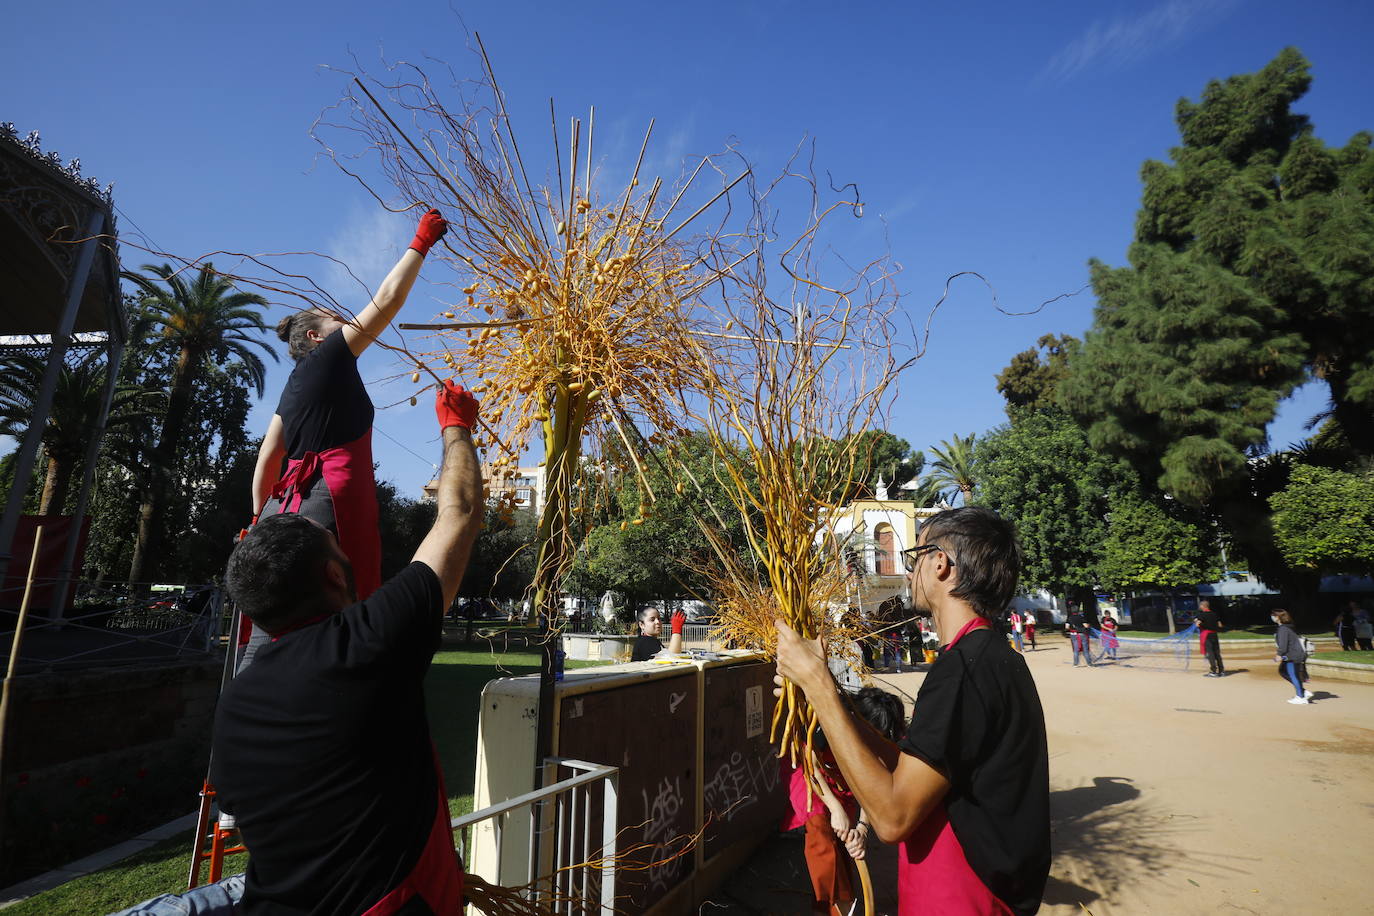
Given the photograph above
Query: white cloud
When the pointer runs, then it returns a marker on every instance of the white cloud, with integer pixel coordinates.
(1123, 41)
(365, 246)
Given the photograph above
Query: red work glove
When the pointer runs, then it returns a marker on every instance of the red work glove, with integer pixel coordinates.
(678, 620)
(432, 229)
(454, 405)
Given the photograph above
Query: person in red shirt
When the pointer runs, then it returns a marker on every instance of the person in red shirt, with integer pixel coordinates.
(966, 791)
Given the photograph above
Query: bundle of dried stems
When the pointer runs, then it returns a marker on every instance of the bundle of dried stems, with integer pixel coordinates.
(812, 363)
(575, 311)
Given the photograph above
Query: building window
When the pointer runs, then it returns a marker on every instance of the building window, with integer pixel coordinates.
(885, 558)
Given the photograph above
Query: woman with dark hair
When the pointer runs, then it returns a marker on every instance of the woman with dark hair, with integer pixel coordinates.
(323, 423)
(1290, 655)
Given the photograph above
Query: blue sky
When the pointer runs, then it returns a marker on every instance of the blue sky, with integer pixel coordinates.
(1004, 138)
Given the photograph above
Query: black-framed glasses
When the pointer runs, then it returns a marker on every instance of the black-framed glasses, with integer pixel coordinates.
(912, 554)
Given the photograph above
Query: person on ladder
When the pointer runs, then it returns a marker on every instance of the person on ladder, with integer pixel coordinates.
(323, 423)
(321, 748)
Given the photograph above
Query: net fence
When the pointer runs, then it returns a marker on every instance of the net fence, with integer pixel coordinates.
(1172, 652)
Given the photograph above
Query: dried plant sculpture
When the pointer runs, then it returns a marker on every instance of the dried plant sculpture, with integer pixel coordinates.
(574, 308)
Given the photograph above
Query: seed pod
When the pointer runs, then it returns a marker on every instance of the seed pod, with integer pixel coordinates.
(413, 402)
(561, 227)
(469, 290)
(448, 314)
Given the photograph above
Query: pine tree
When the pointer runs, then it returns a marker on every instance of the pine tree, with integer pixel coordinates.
(1252, 271)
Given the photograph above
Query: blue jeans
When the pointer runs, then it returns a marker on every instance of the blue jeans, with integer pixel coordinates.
(1020, 646)
(218, 899)
(1080, 646)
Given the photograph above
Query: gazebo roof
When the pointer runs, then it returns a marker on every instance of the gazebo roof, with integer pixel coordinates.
(45, 207)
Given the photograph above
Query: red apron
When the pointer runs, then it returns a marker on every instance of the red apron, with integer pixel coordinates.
(933, 875)
(437, 878)
(336, 488)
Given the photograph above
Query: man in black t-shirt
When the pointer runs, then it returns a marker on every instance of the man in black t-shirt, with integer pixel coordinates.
(650, 629)
(1209, 629)
(966, 792)
(322, 751)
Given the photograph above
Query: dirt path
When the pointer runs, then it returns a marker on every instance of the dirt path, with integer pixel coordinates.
(1180, 794)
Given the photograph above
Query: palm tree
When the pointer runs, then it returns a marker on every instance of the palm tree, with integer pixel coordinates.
(953, 465)
(928, 493)
(75, 412)
(203, 320)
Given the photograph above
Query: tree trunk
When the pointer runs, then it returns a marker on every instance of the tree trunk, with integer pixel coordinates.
(150, 512)
(56, 485)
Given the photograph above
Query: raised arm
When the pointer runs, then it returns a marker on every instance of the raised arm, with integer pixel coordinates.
(268, 469)
(675, 640)
(447, 546)
(391, 295)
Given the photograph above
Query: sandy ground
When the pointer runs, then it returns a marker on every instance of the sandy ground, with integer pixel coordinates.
(1174, 793)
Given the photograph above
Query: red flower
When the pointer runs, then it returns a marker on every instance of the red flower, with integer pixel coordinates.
(101, 820)
(83, 781)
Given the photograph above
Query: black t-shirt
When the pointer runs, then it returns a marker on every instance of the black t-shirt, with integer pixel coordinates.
(324, 403)
(978, 720)
(1209, 620)
(323, 753)
(646, 647)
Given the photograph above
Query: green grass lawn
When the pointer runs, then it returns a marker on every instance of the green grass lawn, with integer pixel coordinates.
(1360, 657)
(453, 695)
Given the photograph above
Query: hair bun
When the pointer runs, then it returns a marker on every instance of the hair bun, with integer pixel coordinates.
(284, 327)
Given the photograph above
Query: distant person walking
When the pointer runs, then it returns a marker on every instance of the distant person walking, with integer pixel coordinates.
(1018, 628)
(1076, 628)
(1364, 627)
(1290, 655)
(1345, 627)
(1030, 624)
(1109, 640)
(1209, 628)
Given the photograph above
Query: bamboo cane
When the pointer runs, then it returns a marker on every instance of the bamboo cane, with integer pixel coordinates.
(14, 648)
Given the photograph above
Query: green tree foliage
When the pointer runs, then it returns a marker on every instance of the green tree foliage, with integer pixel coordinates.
(1324, 519)
(206, 494)
(1252, 269)
(953, 466)
(1155, 543)
(1031, 381)
(666, 555)
(402, 523)
(75, 412)
(206, 323)
(502, 562)
(1042, 474)
(880, 455)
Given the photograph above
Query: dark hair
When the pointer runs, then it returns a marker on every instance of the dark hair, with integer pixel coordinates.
(643, 612)
(987, 559)
(882, 710)
(293, 329)
(275, 574)
(1284, 618)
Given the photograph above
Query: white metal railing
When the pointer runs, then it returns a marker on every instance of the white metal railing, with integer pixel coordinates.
(561, 826)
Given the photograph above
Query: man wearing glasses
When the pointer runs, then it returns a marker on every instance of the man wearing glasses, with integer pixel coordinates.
(966, 792)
